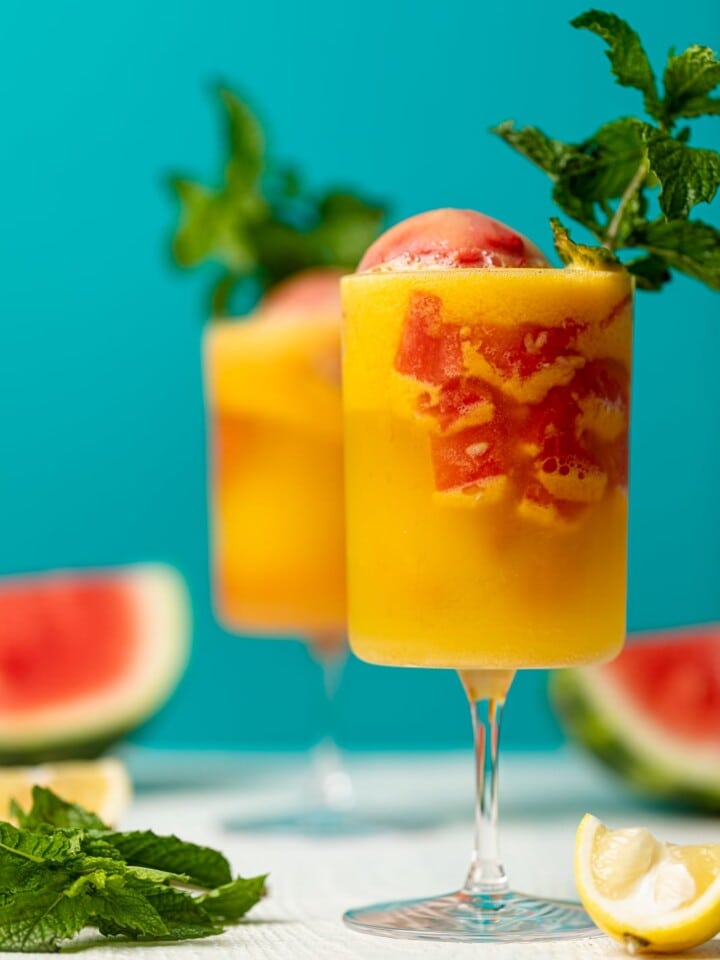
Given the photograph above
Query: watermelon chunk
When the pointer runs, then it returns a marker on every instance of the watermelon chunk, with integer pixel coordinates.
(468, 458)
(85, 656)
(552, 419)
(429, 350)
(653, 714)
(460, 403)
(526, 348)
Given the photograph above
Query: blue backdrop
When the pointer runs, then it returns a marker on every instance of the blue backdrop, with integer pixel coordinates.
(103, 456)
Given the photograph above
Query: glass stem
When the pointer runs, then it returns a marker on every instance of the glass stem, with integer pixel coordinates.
(486, 690)
(332, 787)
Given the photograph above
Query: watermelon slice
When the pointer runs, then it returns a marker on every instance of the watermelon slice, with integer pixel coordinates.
(86, 656)
(653, 713)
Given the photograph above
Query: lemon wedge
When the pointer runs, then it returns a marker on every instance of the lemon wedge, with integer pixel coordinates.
(101, 786)
(650, 895)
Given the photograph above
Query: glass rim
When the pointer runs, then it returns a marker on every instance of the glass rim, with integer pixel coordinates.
(515, 272)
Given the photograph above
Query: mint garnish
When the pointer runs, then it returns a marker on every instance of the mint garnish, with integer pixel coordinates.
(63, 870)
(634, 183)
(203, 865)
(261, 223)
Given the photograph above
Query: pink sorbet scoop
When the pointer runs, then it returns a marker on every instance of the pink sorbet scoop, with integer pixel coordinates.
(446, 238)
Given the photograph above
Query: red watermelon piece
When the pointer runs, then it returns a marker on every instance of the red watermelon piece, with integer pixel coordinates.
(468, 458)
(85, 656)
(460, 403)
(653, 714)
(525, 348)
(429, 350)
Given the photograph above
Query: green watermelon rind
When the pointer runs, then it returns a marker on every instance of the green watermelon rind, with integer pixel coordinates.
(591, 724)
(84, 730)
(81, 749)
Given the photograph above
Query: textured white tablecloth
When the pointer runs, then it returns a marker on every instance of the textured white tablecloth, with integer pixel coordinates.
(312, 881)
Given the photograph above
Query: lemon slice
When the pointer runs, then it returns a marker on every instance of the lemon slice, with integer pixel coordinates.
(102, 786)
(650, 895)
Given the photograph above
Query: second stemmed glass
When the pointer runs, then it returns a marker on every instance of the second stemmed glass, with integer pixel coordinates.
(276, 480)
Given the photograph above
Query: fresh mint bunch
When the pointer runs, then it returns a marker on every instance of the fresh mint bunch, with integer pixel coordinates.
(261, 223)
(62, 870)
(635, 181)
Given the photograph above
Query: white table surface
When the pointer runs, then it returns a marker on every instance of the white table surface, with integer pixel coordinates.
(313, 880)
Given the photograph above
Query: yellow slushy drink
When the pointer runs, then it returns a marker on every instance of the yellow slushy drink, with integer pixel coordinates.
(486, 431)
(273, 393)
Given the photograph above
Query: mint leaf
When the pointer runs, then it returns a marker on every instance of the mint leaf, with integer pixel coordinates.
(49, 810)
(211, 225)
(194, 237)
(593, 172)
(184, 916)
(627, 56)
(203, 865)
(245, 141)
(688, 176)
(576, 207)
(86, 865)
(233, 900)
(260, 224)
(607, 161)
(651, 272)
(156, 876)
(548, 154)
(22, 845)
(93, 845)
(688, 79)
(27, 860)
(690, 246)
(37, 920)
(580, 255)
(120, 909)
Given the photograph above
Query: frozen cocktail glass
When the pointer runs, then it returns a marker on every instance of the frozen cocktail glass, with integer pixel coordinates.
(276, 480)
(486, 428)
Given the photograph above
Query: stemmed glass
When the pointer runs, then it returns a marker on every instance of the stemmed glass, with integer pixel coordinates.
(486, 425)
(276, 481)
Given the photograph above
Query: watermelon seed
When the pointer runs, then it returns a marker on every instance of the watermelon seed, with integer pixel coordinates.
(477, 449)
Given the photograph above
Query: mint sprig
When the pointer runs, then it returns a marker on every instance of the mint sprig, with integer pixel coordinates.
(63, 871)
(634, 183)
(261, 223)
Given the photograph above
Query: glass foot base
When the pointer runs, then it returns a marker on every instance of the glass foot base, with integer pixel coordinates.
(312, 823)
(323, 822)
(499, 917)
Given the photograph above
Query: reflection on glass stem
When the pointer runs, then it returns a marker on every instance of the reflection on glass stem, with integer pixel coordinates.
(331, 788)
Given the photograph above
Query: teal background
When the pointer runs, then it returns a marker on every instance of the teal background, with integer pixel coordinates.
(102, 440)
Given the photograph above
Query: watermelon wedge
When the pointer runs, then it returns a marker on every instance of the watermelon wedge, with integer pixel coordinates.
(86, 656)
(653, 713)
